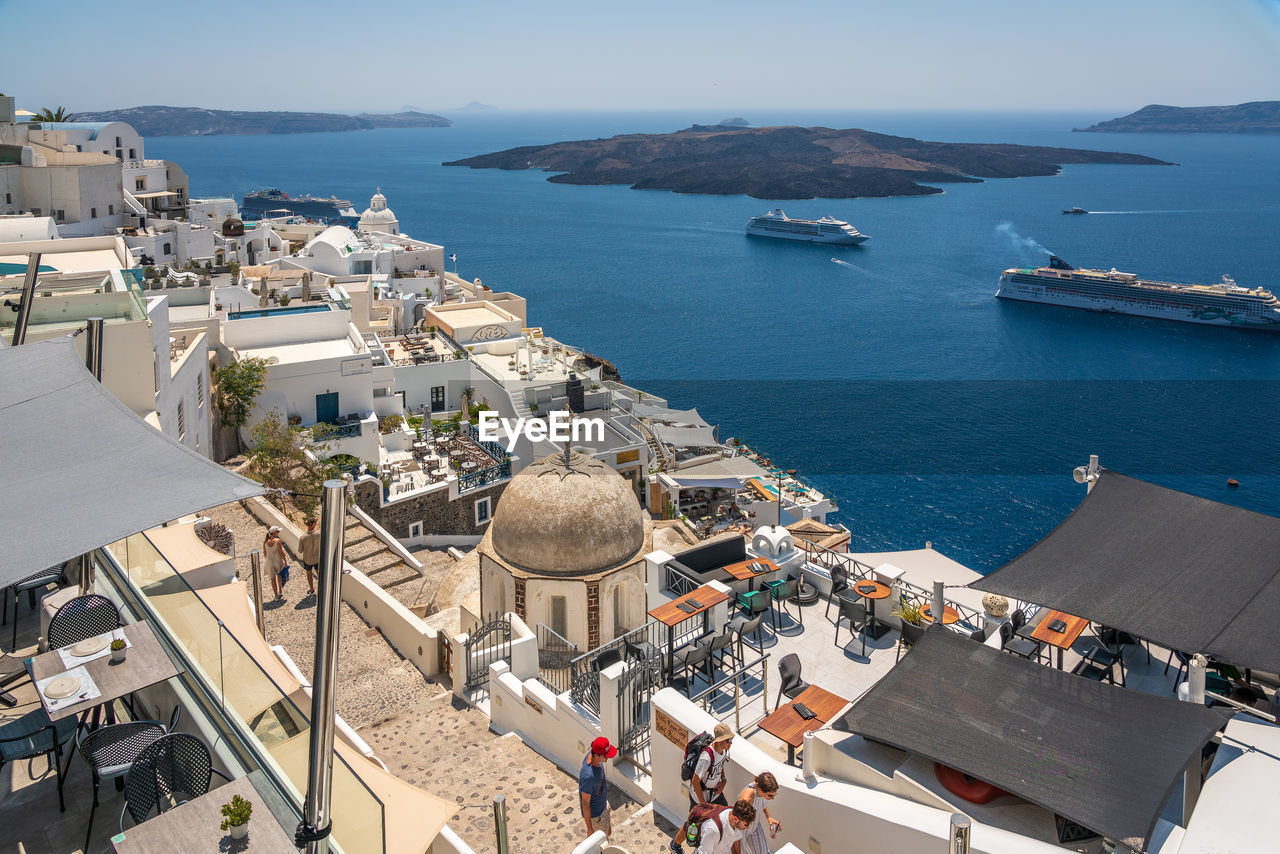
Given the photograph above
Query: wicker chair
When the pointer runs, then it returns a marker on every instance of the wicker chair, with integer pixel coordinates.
(110, 751)
(171, 770)
(29, 585)
(12, 672)
(83, 617)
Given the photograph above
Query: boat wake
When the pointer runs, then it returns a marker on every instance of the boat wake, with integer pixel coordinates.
(844, 263)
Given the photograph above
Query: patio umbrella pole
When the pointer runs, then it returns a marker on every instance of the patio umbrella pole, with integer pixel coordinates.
(939, 602)
(28, 297)
(1191, 777)
(960, 825)
(313, 832)
(93, 350)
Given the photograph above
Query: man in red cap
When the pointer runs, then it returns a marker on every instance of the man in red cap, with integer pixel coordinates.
(592, 788)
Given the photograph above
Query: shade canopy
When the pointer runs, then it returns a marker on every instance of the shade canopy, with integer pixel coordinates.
(1185, 572)
(685, 437)
(674, 416)
(82, 470)
(1104, 757)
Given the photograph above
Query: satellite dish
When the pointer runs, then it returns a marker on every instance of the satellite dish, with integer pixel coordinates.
(1081, 474)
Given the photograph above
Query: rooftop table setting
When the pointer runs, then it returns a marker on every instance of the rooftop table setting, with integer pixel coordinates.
(1059, 629)
(690, 605)
(748, 570)
(873, 591)
(949, 615)
(787, 724)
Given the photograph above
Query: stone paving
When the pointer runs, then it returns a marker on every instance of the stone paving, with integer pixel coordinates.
(432, 741)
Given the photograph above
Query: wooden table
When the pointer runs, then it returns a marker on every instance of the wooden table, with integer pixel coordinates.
(146, 663)
(671, 615)
(1063, 639)
(194, 827)
(949, 615)
(882, 591)
(785, 722)
(741, 570)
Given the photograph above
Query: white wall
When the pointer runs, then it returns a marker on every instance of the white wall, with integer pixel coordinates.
(416, 381)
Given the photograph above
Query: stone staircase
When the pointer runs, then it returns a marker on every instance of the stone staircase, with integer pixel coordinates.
(375, 559)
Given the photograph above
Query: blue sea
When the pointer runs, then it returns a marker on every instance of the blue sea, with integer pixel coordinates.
(887, 374)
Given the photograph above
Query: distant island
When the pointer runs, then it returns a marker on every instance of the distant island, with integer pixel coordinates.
(787, 162)
(196, 121)
(1253, 117)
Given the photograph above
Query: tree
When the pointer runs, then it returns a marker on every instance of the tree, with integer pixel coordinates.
(48, 115)
(279, 459)
(236, 388)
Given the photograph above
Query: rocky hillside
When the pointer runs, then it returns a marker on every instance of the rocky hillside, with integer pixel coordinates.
(197, 121)
(1253, 117)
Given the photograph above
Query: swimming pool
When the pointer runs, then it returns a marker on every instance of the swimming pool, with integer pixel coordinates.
(271, 312)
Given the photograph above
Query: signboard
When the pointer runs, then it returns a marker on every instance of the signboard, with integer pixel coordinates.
(670, 728)
(531, 704)
(628, 456)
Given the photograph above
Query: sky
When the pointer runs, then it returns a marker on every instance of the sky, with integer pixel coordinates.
(707, 54)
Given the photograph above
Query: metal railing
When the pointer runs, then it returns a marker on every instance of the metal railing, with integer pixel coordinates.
(555, 655)
(339, 431)
(917, 595)
(679, 582)
(736, 677)
(584, 672)
(484, 477)
(493, 449)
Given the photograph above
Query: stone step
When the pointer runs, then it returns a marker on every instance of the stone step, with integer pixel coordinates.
(378, 571)
(378, 562)
(406, 576)
(355, 536)
(357, 552)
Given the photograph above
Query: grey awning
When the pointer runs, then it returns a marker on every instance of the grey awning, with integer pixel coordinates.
(672, 416)
(81, 470)
(685, 437)
(1105, 757)
(1185, 572)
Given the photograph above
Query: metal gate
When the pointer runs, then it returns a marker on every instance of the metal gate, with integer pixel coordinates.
(635, 690)
(490, 641)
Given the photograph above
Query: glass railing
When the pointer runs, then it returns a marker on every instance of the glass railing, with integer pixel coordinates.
(247, 695)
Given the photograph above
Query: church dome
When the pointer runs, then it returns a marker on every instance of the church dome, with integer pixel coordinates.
(232, 227)
(577, 519)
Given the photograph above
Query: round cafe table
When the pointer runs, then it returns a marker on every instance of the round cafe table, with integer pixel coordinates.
(872, 591)
(949, 614)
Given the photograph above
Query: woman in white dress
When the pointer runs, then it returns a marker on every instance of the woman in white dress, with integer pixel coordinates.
(761, 790)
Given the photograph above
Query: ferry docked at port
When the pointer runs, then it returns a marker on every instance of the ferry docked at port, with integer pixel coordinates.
(826, 230)
(1224, 304)
(264, 203)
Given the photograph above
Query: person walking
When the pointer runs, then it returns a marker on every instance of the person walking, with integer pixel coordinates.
(758, 793)
(310, 546)
(722, 832)
(593, 790)
(273, 555)
(707, 784)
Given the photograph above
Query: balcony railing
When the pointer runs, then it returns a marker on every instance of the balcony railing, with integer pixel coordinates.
(679, 583)
(484, 477)
(493, 449)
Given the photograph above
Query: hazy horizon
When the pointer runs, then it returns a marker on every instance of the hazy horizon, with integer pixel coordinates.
(571, 56)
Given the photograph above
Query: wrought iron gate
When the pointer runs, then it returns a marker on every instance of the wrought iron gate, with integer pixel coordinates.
(490, 641)
(635, 690)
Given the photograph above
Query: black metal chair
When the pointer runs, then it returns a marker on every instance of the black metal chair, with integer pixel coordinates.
(1020, 646)
(856, 614)
(171, 770)
(83, 617)
(1104, 659)
(722, 647)
(910, 636)
(1184, 665)
(34, 735)
(839, 584)
(111, 750)
(692, 657)
(639, 650)
(13, 671)
(28, 585)
(785, 591)
(745, 627)
(789, 678)
(1114, 637)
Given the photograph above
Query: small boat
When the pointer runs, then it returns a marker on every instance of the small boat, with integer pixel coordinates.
(1075, 211)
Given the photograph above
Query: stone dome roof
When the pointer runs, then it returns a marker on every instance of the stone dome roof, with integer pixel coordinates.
(574, 520)
(232, 227)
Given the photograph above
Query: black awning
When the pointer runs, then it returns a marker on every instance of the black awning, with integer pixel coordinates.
(1104, 757)
(81, 470)
(1186, 572)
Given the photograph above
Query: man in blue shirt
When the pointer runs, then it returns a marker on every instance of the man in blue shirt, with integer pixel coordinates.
(592, 788)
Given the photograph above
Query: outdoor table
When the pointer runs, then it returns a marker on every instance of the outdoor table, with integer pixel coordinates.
(468, 465)
(145, 664)
(741, 571)
(194, 827)
(671, 614)
(786, 724)
(1063, 639)
(863, 588)
(949, 614)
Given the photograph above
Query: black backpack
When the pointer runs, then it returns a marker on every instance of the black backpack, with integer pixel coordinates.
(700, 742)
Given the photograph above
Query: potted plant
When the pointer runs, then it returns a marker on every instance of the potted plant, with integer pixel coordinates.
(117, 649)
(237, 816)
(909, 612)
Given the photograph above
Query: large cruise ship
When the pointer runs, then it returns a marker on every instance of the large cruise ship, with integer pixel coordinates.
(263, 203)
(826, 230)
(1225, 304)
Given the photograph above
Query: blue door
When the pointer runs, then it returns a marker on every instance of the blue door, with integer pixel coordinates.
(327, 407)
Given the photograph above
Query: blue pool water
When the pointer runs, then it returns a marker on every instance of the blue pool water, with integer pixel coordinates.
(272, 312)
(893, 379)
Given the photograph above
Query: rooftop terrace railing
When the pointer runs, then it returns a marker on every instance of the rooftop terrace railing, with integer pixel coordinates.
(484, 477)
(584, 671)
(555, 655)
(757, 670)
(678, 582)
(252, 714)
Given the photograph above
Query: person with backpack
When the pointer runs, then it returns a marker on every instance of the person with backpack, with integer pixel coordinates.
(593, 791)
(703, 767)
(716, 829)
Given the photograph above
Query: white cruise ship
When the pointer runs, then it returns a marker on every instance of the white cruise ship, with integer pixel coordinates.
(1225, 304)
(826, 230)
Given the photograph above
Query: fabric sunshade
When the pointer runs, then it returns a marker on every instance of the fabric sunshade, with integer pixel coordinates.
(82, 469)
(1105, 757)
(685, 437)
(675, 416)
(1185, 572)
